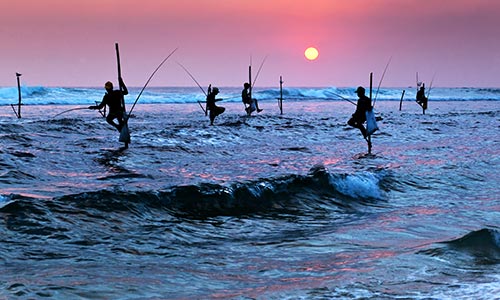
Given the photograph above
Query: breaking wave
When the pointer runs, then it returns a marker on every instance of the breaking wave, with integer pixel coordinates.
(289, 193)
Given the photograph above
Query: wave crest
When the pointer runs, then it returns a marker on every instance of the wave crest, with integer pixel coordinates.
(290, 192)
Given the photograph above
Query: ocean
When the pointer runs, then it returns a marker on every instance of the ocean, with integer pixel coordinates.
(272, 206)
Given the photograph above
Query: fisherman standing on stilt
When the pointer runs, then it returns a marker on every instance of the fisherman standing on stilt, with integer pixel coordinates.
(213, 109)
(246, 97)
(359, 116)
(421, 98)
(113, 99)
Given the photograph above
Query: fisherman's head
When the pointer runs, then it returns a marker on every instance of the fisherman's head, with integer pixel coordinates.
(246, 85)
(108, 86)
(215, 90)
(360, 91)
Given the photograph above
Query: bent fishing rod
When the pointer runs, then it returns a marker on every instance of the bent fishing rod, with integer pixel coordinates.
(66, 111)
(258, 71)
(343, 98)
(147, 82)
(380, 82)
(194, 79)
(430, 86)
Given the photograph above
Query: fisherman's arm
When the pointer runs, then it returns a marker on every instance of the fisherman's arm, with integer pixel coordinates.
(123, 87)
(100, 106)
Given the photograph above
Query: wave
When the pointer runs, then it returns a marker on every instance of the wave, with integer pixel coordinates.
(317, 189)
(483, 246)
(481, 241)
(39, 95)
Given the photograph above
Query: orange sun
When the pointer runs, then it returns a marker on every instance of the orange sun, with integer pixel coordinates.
(311, 53)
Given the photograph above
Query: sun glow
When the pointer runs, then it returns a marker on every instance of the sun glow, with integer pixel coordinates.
(311, 53)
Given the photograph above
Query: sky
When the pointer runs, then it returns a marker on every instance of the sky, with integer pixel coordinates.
(72, 43)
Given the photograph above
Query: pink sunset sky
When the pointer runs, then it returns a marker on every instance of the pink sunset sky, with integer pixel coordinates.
(71, 43)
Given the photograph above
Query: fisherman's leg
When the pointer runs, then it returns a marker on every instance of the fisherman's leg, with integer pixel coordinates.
(253, 106)
(363, 130)
(257, 106)
(121, 123)
(110, 119)
(354, 123)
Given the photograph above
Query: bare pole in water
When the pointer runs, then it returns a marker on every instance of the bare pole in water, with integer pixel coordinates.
(280, 99)
(19, 95)
(401, 101)
(18, 113)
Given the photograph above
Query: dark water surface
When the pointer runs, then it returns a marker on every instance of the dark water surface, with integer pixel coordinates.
(268, 207)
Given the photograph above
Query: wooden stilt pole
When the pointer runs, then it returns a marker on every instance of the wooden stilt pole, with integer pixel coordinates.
(119, 72)
(401, 101)
(247, 108)
(369, 139)
(280, 99)
(19, 95)
(19, 103)
(250, 81)
(125, 133)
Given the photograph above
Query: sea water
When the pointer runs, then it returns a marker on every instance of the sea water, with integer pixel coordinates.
(272, 206)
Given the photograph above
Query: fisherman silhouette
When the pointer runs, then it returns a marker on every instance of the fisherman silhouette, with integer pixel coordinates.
(113, 99)
(214, 109)
(253, 104)
(359, 116)
(421, 99)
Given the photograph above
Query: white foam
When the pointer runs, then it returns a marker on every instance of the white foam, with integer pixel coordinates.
(359, 185)
(4, 201)
(477, 291)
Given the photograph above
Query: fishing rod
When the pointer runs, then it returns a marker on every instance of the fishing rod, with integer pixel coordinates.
(66, 111)
(147, 82)
(258, 71)
(343, 98)
(192, 77)
(430, 86)
(381, 78)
